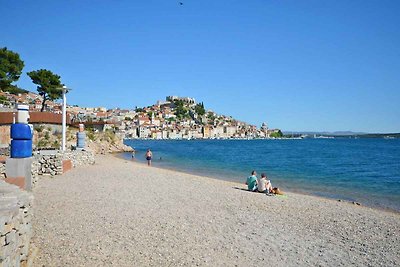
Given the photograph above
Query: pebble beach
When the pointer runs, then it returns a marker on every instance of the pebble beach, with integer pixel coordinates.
(122, 213)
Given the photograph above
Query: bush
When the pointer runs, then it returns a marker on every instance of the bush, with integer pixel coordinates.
(91, 136)
(199, 109)
(39, 128)
(42, 143)
(277, 134)
(56, 144)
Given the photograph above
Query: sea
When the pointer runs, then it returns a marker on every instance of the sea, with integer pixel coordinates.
(364, 170)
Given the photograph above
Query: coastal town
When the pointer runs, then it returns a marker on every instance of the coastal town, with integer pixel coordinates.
(173, 118)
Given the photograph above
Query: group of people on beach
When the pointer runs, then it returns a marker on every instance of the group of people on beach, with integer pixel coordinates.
(254, 184)
(262, 184)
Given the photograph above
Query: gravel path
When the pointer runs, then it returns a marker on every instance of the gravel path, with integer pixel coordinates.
(122, 213)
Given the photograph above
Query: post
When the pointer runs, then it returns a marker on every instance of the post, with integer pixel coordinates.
(19, 165)
(64, 118)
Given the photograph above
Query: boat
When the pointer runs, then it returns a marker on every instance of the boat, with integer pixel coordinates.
(388, 137)
(323, 137)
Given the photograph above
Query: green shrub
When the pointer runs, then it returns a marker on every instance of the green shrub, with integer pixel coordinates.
(276, 134)
(39, 128)
(91, 136)
(56, 144)
(42, 143)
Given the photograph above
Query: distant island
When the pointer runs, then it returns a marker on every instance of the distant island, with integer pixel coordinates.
(340, 134)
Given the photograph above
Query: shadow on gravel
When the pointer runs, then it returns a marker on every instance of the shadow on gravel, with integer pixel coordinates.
(242, 189)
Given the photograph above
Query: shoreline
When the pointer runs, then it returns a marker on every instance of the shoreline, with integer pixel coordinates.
(119, 212)
(237, 184)
(331, 173)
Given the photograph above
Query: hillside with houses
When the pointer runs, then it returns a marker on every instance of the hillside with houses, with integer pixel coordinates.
(172, 118)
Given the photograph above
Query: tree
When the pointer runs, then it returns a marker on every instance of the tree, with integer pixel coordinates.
(277, 134)
(139, 109)
(181, 111)
(49, 85)
(199, 109)
(15, 90)
(4, 100)
(10, 67)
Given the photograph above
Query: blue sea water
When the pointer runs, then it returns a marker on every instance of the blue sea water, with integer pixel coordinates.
(362, 170)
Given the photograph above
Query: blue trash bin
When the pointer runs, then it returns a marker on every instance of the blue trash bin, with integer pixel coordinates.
(21, 131)
(21, 148)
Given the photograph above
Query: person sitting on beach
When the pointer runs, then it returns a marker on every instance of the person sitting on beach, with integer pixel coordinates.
(264, 185)
(251, 182)
(149, 155)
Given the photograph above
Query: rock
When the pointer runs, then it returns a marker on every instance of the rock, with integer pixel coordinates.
(15, 224)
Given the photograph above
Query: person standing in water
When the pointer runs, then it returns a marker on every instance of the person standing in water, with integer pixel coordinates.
(149, 155)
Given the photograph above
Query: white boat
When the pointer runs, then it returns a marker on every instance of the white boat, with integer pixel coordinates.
(323, 137)
(388, 137)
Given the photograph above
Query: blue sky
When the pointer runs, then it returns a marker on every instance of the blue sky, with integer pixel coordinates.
(298, 65)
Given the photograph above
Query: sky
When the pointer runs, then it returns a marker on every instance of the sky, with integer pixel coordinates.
(296, 65)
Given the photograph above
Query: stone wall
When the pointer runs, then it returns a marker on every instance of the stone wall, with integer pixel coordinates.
(79, 157)
(2, 170)
(15, 225)
(48, 164)
(51, 162)
(5, 139)
(4, 150)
